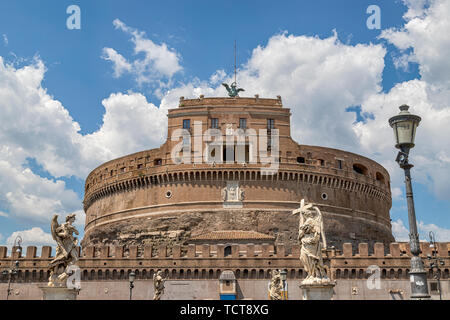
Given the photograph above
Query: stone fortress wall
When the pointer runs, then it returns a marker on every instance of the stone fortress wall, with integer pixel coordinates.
(145, 198)
(199, 266)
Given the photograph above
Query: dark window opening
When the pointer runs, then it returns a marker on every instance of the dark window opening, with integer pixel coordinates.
(339, 164)
(186, 124)
(227, 251)
(359, 168)
(214, 123)
(301, 160)
(270, 124)
(243, 123)
(158, 162)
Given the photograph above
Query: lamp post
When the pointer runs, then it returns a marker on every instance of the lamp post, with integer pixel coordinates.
(405, 125)
(435, 262)
(283, 276)
(131, 278)
(13, 271)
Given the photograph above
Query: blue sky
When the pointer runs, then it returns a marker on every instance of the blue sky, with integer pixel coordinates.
(87, 85)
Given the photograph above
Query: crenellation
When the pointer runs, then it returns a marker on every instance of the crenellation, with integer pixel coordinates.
(3, 252)
(378, 250)
(46, 252)
(16, 253)
(394, 249)
(206, 251)
(148, 249)
(31, 252)
(118, 252)
(425, 248)
(281, 250)
(133, 253)
(443, 249)
(176, 251)
(191, 251)
(104, 252)
(220, 251)
(347, 250)
(267, 250)
(250, 253)
(89, 252)
(162, 251)
(296, 251)
(363, 250)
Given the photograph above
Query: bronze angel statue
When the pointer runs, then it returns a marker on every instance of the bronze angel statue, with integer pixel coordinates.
(158, 285)
(232, 90)
(66, 250)
(312, 239)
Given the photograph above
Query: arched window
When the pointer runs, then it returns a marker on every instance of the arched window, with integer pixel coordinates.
(379, 177)
(359, 168)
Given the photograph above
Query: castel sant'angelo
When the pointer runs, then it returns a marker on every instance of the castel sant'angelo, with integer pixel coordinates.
(150, 198)
(218, 196)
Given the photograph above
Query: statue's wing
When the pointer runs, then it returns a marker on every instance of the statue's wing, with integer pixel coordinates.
(226, 86)
(53, 226)
(240, 89)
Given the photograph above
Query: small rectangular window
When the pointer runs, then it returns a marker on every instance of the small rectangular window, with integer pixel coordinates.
(339, 164)
(186, 124)
(243, 123)
(300, 159)
(140, 166)
(270, 124)
(214, 123)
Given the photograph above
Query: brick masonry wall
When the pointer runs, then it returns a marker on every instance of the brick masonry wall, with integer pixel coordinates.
(200, 266)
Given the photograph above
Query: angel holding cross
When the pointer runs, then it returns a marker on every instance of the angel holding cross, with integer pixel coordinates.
(312, 239)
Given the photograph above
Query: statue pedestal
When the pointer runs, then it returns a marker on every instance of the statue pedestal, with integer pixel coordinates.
(318, 291)
(58, 293)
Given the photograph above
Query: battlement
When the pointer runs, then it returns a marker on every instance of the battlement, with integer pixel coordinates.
(208, 261)
(234, 251)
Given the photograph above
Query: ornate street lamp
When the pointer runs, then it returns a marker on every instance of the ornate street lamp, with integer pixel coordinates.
(435, 262)
(14, 270)
(131, 278)
(405, 125)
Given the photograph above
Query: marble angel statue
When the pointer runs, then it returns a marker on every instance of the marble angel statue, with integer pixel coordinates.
(158, 285)
(66, 250)
(312, 239)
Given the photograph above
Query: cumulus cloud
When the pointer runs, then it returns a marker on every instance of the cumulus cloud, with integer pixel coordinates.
(31, 237)
(318, 78)
(424, 35)
(36, 126)
(159, 61)
(401, 232)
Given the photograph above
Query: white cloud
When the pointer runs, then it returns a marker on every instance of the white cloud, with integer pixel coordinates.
(5, 39)
(426, 32)
(441, 234)
(317, 78)
(34, 125)
(32, 237)
(401, 233)
(159, 62)
(121, 65)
